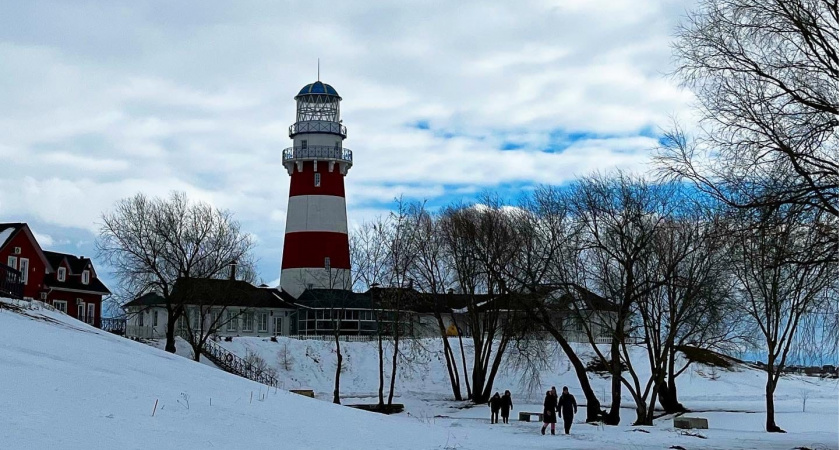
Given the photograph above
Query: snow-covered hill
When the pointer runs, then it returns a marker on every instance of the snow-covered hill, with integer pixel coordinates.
(66, 385)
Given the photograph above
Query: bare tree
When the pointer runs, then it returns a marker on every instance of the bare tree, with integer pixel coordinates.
(543, 275)
(776, 293)
(433, 275)
(479, 240)
(151, 243)
(369, 254)
(622, 215)
(692, 306)
(765, 74)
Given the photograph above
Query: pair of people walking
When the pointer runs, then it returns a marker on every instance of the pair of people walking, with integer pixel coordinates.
(566, 405)
(500, 403)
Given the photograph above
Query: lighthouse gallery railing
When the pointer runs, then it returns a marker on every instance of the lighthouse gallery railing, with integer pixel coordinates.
(321, 152)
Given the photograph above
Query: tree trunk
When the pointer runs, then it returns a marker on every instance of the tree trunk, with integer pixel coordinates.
(478, 377)
(494, 368)
(642, 413)
(614, 416)
(394, 361)
(170, 330)
(667, 391)
(463, 358)
(381, 372)
(769, 389)
(338, 357)
(451, 364)
(593, 405)
(196, 348)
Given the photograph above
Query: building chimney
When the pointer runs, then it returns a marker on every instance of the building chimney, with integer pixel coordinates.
(233, 270)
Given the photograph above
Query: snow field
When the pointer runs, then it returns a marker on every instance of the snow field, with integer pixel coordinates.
(66, 385)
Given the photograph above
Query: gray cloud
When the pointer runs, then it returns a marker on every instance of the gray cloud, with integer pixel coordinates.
(103, 100)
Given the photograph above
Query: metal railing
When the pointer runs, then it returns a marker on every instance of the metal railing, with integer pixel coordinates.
(10, 283)
(231, 363)
(319, 152)
(113, 325)
(317, 126)
(142, 332)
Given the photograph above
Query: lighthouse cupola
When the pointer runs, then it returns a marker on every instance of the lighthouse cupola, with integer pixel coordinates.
(316, 250)
(317, 132)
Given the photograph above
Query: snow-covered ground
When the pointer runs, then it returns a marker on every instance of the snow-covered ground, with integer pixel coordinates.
(66, 385)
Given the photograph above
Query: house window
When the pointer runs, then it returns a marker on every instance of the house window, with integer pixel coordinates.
(12, 262)
(62, 273)
(60, 305)
(91, 311)
(248, 322)
(303, 144)
(140, 318)
(231, 321)
(24, 270)
(196, 316)
(154, 318)
(215, 318)
(317, 179)
(85, 276)
(263, 322)
(80, 310)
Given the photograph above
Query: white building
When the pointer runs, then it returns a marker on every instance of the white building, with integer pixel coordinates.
(213, 307)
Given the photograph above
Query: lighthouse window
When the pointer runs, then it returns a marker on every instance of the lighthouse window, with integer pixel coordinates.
(317, 179)
(303, 144)
(327, 263)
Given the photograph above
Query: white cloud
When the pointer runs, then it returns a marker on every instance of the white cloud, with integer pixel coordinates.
(103, 101)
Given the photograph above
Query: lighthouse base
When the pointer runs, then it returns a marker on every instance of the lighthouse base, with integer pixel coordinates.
(295, 281)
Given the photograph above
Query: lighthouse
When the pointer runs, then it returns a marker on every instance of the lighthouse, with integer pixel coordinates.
(316, 250)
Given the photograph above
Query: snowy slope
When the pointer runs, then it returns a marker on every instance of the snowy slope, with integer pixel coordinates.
(66, 385)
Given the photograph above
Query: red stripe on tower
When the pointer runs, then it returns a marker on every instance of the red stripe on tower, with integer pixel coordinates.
(316, 250)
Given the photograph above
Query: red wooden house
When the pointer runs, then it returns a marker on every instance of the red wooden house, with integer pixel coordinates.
(67, 282)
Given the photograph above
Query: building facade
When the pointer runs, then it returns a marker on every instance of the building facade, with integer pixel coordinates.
(67, 282)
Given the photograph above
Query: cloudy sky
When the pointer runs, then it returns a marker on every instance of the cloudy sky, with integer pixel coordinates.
(442, 100)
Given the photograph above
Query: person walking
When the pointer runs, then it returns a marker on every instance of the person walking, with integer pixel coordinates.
(507, 406)
(549, 414)
(495, 404)
(567, 407)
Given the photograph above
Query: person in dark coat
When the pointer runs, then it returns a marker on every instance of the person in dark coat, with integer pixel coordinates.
(507, 406)
(567, 407)
(549, 414)
(495, 404)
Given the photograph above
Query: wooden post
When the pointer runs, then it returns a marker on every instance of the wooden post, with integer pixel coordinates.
(155, 408)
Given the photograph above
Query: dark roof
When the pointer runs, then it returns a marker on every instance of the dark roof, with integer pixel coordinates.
(148, 299)
(221, 292)
(94, 285)
(420, 302)
(318, 88)
(594, 301)
(11, 230)
(334, 298)
(77, 265)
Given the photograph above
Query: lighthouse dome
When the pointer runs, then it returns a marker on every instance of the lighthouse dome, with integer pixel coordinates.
(318, 87)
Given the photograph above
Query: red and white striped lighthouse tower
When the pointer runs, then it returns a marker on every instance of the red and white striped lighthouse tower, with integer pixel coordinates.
(316, 251)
